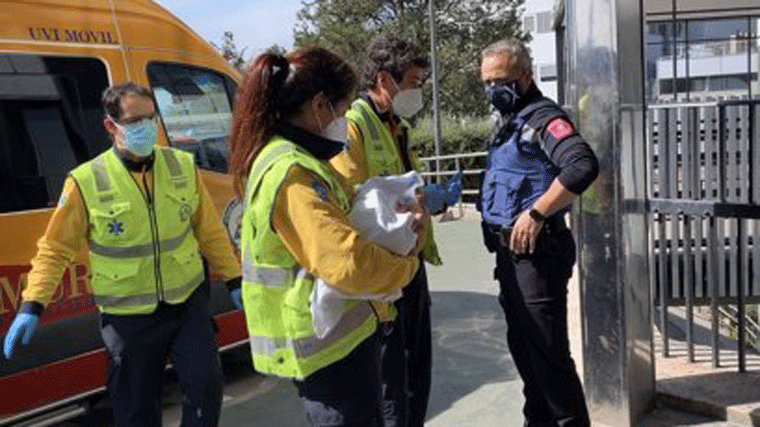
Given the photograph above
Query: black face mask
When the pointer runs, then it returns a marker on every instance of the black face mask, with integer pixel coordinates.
(504, 97)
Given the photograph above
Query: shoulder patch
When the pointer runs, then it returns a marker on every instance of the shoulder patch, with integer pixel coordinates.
(559, 128)
(320, 189)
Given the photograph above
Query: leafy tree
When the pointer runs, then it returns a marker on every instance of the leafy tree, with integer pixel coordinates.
(464, 28)
(230, 52)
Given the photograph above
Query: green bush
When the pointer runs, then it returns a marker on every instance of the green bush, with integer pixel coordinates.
(458, 135)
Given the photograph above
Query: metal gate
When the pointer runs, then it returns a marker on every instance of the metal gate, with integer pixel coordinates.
(704, 209)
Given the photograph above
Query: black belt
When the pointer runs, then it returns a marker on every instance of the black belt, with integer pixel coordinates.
(552, 225)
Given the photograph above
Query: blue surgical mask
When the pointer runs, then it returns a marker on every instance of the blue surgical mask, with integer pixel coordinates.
(504, 97)
(139, 137)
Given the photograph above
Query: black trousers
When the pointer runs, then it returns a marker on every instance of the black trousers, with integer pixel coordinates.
(533, 294)
(138, 347)
(346, 393)
(406, 350)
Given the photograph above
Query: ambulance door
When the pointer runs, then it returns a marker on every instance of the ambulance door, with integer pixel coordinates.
(50, 121)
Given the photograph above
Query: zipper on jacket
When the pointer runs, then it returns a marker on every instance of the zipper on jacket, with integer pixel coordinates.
(155, 236)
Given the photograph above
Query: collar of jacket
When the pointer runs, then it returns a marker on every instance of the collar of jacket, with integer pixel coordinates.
(534, 94)
(318, 146)
(135, 165)
(385, 116)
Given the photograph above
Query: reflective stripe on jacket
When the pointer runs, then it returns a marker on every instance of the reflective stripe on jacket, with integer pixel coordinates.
(276, 290)
(383, 158)
(142, 248)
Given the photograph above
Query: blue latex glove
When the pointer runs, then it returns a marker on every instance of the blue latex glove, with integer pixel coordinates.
(24, 323)
(453, 189)
(236, 295)
(438, 198)
(434, 198)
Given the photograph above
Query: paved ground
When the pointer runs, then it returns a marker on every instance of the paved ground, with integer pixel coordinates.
(474, 380)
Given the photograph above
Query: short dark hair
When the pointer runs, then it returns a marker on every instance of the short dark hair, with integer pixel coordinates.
(111, 98)
(392, 55)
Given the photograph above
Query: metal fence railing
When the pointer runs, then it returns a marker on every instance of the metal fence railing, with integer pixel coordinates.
(704, 209)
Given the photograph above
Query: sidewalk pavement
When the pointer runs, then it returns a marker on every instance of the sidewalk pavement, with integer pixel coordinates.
(687, 393)
(475, 382)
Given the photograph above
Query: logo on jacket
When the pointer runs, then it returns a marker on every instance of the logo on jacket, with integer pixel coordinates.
(320, 189)
(185, 212)
(116, 227)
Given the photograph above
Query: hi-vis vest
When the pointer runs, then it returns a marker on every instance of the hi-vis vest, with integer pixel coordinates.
(383, 158)
(276, 289)
(142, 250)
(518, 171)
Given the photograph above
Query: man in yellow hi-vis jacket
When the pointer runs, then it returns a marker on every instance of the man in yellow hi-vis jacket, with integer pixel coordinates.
(146, 218)
(379, 145)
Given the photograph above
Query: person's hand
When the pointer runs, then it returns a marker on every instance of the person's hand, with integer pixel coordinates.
(453, 189)
(236, 295)
(434, 198)
(418, 221)
(524, 234)
(23, 326)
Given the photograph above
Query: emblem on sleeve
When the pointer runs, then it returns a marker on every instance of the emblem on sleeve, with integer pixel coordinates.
(559, 128)
(116, 227)
(320, 189)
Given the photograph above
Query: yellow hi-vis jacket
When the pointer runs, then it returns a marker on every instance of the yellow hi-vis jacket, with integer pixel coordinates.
(383, 158)
(142, 248)
(276, 289)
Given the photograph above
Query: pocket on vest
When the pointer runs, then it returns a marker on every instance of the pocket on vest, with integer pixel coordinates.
(117, 275)
(112, 222)
(296, 310)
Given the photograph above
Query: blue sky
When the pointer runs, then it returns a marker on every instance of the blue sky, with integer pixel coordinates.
(255, 23)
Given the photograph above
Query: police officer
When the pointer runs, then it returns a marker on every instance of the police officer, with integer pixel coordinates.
(537, 165)
(288, 124)
(379, 145)
(146, 218)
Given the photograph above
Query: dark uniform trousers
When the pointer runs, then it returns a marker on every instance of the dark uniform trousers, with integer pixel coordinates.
(406, 351)
(533, 294)
(346, 393)
(138, 347)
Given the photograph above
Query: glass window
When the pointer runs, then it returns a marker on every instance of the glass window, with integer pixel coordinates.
(195, 108)
(544, 24)
(717, 29)
(50, 121)
(529, 23)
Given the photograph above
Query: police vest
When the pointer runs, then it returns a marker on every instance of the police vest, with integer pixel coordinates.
(276, 290)
(383, 158)
(518, 171)
(142, 248)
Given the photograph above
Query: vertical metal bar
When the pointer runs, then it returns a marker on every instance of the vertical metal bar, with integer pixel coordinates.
(436, 102)
(689, 287)
(733, 148)
(712, 260)
(690, 138)
(740, 298)
(663, 285)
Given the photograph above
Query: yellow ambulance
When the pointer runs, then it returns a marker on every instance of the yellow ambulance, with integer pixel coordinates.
(56, 58)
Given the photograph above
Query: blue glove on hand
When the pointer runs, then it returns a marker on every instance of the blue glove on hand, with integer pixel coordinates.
(24, 323)
(434, 198)
(236, 295)
(453, 189)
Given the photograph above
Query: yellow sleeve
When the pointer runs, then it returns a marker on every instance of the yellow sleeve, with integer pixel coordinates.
(321, 238)
(351, 164)
(65, 235)
(212, 238)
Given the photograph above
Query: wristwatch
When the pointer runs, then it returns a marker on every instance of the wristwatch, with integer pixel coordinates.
(536, 215)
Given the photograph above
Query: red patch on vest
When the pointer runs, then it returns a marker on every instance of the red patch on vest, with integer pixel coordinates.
(560, 128)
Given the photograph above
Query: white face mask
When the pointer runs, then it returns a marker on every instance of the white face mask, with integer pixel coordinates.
(407, 102)
(336, 130)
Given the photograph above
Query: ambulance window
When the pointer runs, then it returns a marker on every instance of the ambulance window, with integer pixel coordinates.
(195, 107)
(50, 121)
